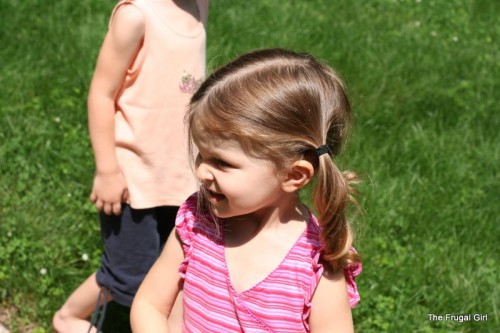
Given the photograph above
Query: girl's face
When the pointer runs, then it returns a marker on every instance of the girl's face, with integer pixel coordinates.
(234, 183)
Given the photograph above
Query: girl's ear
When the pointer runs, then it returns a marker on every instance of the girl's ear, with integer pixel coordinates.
(301, 172)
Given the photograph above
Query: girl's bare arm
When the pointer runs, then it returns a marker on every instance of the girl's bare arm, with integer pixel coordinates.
(156, 296)
(330, 310)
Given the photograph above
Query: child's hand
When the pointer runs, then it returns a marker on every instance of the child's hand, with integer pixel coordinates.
(108, 192)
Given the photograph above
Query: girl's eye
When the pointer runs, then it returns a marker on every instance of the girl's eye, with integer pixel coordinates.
(222, 164)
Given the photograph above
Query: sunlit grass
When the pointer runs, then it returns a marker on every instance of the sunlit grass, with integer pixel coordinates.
(423, 78)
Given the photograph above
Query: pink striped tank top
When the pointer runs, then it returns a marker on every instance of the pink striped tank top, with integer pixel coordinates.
(279, 303)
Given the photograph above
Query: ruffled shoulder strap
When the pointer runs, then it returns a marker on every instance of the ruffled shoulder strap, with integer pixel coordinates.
(184, 225)
(350, 273)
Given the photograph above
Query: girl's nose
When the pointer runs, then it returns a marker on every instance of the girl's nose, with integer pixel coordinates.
(203, 173)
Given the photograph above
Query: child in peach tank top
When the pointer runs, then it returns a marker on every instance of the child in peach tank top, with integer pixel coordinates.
(151, 62)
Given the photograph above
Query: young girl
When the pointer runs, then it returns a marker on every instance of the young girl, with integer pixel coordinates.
(251, 256)
(151, 62)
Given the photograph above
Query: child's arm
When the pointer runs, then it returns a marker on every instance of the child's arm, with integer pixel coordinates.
(330, 310)
(117, 52)
(156, 296)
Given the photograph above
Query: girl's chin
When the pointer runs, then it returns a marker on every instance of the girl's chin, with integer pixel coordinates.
(222, 211)
(221, 214)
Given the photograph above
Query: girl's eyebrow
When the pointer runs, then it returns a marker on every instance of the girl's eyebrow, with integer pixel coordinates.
(211, 154)
(222, 155)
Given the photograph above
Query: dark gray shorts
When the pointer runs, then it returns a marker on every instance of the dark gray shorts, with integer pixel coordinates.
(132, 243)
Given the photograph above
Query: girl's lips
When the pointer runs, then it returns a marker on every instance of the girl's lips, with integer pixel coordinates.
(214, 197)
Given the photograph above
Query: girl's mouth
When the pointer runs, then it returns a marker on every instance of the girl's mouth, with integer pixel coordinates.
(213, 197)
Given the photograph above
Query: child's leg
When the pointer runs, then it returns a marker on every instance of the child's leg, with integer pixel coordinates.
(132, 243)
(74, 315)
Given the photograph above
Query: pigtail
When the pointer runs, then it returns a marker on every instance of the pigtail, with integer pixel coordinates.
(332, 196)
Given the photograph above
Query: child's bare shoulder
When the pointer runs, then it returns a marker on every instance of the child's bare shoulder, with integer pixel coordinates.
(127, 17)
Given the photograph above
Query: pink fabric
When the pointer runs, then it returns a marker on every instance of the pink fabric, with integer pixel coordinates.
(151, 140)
(279, 303)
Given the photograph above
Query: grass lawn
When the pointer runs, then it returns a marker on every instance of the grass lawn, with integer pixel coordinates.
(423, 77)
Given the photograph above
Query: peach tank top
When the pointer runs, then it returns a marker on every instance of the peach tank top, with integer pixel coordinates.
(151, 140)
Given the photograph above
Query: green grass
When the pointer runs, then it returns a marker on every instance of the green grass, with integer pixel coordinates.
(422, 77)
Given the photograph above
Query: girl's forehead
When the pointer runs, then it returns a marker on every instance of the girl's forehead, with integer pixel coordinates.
(215, 143)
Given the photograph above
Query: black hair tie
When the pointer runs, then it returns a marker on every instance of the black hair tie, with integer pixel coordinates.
(322, 150)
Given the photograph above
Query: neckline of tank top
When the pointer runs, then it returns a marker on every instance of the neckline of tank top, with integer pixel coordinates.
(197, 30)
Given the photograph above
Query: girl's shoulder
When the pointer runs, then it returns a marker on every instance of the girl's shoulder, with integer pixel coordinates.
(350, 272)
(192, 221)
(188, 207)
(313, 231)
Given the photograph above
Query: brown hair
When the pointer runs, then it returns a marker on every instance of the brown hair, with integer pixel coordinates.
(282, 105)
